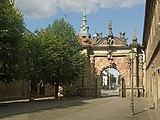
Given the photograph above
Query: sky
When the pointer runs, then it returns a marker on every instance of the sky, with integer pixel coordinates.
(112, 71)
(124, 14)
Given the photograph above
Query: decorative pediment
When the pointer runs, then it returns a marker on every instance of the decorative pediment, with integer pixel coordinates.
(105, 42)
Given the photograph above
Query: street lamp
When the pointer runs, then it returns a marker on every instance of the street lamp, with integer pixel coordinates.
(132, 54)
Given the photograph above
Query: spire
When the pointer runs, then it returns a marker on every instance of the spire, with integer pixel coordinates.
(84, 11)
(84, 27)
(134, 39)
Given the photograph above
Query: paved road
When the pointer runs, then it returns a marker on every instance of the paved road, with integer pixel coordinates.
(110, 108)
(108, 93)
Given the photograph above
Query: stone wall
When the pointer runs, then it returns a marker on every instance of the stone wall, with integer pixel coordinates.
(13, 90)
(20, 90)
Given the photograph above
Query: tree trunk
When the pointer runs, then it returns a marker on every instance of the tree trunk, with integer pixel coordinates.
(32, 85)
(56, 89)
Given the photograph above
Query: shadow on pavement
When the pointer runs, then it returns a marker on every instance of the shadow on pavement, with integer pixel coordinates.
(15, 108)
(110, 96)
(143, 111)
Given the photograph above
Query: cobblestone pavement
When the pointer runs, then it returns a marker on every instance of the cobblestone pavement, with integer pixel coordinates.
(110, 108)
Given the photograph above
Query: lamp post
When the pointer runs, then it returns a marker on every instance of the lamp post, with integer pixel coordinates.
(132, 54)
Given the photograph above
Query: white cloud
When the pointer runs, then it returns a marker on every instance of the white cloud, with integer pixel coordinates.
(37, 8)
(46, 8)
(77, 5)
(119, 3)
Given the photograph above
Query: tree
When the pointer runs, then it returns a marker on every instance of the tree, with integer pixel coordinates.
(11, 33)
(63, 60)
(31, 55)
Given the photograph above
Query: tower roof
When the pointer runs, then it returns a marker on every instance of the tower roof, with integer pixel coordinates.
(84, 29)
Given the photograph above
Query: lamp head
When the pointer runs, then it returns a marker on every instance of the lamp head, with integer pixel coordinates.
(132, 54)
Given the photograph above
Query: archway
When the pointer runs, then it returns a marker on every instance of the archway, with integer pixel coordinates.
(113, 78)
(111, 82)
(97, 60)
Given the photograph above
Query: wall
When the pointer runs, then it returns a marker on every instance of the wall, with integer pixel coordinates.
(20, 90)
(151, 40)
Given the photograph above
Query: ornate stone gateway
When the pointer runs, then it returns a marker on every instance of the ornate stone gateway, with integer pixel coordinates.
(110, 52)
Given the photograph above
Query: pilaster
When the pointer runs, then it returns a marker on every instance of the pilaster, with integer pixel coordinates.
(128, 72)
(135, 70)
(140, 73)
(93, 84)
(128, 76)
(140, 70)
(92, 64)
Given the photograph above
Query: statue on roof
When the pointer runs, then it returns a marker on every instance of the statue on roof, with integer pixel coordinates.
(97, 36)
(110, 25)
(122, 37)
(110, 33)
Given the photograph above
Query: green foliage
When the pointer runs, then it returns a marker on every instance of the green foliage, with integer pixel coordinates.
(30, 67)
(62, 50)
(30, 56)
(52, 55)
(11, 33)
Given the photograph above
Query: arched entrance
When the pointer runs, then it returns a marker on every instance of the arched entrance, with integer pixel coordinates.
(111, 82)
(104, 69)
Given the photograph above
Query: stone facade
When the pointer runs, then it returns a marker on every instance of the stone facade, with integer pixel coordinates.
(151, 41)
(97, 60)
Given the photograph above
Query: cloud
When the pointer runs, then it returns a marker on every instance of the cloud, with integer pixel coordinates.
(37, 8)
(119, 3)
(77, 5)
(47, 8)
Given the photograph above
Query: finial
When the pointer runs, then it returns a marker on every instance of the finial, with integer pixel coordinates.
(134, 39)
(135, 34)
(84, 9)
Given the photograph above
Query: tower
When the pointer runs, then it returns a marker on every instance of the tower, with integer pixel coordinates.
(84, 29)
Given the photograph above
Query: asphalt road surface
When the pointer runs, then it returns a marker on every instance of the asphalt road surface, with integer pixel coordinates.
(108, 108)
